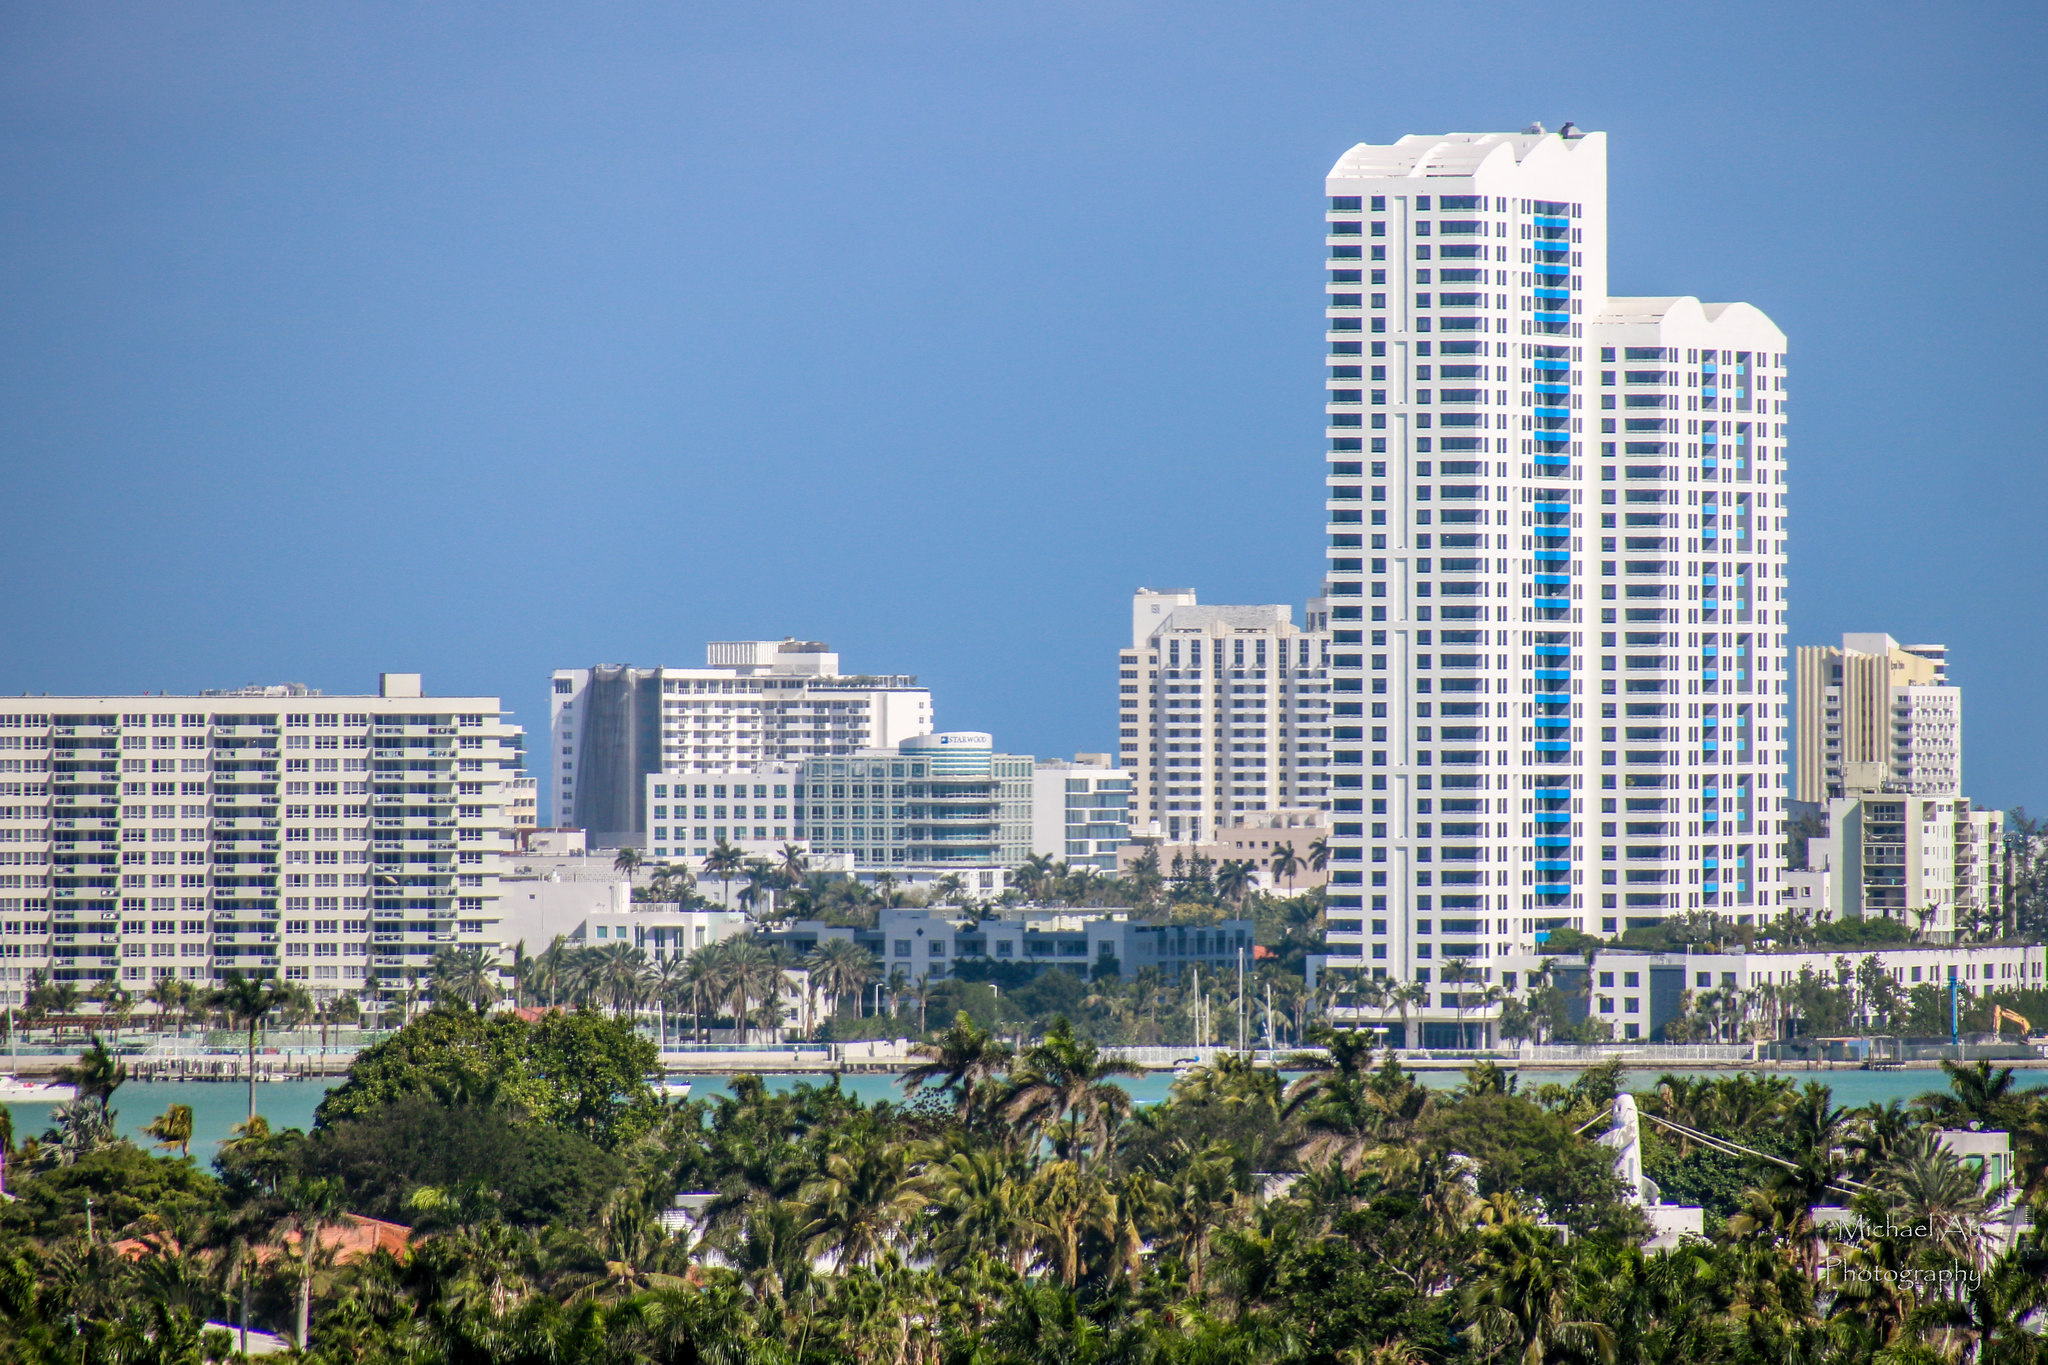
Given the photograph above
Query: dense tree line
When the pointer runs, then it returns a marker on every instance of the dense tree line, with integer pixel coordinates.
(1020, 1208)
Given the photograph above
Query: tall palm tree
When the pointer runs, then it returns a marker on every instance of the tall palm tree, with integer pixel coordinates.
(246, 1002)
(1319, 853)
(627, 861)
(171, 996)
(724, 862)
(1064, 1077)
(753, 972)
(666, 982)
(1285, 862)
(550, 969)
(793, 863)
(842, 969)
(702, 981)
(621, 975)
(860, 1204)
(1234, 879)
(964, 1059)
(468, 974)
(311, 1206)
(760, 888)
(1524, 1299)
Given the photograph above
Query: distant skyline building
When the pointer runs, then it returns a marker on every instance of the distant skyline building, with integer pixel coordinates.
(1556, 574)
(932, 805)
(1876, 715)
(754, 702)
(1080, 810)
(1222, 711)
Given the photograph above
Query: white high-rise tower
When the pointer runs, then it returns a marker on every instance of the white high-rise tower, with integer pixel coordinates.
(1556, 577)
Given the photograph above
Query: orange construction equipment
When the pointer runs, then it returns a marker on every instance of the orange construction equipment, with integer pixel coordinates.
(1999, 1014)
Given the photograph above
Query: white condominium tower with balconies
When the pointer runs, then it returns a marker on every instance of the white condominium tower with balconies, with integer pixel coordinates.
(338, 841)
(1556, 575)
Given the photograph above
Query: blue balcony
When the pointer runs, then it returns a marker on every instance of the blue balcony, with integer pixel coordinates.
(1552, 746)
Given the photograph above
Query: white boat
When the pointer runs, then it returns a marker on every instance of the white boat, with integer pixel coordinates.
(671, 1090)
(15, 1090)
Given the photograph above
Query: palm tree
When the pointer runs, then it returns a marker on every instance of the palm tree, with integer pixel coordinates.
(1524, 1299)
(842, 969)
(627, 861)
(965, 1057)
(170, 996)
(1285, 862)
(1234, 879)
(761, 877)
(1064, 1077)
(752, 972)
(793, 863)
(468, 974)
(310, 1208)
(96, 1075)
(1319, 853)
(173, 1128)
(859, 1205)
(550, 968)
(248, 1001)
(622, 973)
(724, 862)
(666, 979)
(702, 980)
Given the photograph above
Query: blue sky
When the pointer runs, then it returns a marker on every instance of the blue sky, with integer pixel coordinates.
(485, 340)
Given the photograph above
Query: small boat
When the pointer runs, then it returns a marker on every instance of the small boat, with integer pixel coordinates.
(671, 1090)
(15, 1090)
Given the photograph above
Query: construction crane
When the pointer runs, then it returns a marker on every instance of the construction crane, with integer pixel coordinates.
(1999, 1014)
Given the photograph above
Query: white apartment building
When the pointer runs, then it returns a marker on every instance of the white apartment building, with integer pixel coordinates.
(1556, 571)
(1876, 715)
(1080, 811)
(754, 702)
(931, 806)
(1933, 863)
(1222, 710)
(336, 841)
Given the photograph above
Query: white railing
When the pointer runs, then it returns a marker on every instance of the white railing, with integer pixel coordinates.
(1636, 1054)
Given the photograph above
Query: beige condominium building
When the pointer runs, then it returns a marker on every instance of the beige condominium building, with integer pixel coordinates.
(1222, 711)
(1874, 714)
(341, 842)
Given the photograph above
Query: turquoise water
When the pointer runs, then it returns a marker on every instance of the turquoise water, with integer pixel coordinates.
(217, 1107)
(1851, 1088)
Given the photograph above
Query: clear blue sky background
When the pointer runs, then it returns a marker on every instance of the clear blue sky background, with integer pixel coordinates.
(486, 340)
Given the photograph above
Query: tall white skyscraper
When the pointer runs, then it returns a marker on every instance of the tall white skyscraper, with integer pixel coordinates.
(1556, 576)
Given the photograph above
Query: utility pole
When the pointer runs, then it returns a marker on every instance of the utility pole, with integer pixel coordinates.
(1240, 1000)
(1195, 1021)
